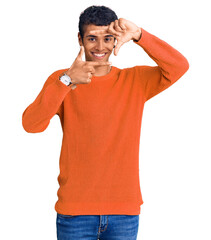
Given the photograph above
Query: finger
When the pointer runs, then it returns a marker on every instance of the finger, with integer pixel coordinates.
(117, 47)
(89, 69)
(117, 26)
(92, 63)
(112, 30)
(105, 31)
(89, 75)
(122, 26)
(73, 86)
(80, 54)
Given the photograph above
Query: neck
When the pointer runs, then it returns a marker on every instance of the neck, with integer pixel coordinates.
(102, 70)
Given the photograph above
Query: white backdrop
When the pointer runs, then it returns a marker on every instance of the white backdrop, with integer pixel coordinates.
(39, 37)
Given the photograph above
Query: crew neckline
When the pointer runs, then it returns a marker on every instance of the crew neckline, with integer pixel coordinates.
(107, 76)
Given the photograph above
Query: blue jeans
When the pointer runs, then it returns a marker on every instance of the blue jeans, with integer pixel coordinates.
(94, 227)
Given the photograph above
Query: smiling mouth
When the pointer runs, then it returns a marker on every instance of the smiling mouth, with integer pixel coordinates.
(98, 55)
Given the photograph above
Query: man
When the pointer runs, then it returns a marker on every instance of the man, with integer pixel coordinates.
(100, 108)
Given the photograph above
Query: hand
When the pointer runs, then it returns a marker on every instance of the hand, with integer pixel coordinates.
(123, 30)
(81, 71)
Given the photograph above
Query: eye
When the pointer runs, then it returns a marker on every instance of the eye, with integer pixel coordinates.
(91, 39)
(108, 39)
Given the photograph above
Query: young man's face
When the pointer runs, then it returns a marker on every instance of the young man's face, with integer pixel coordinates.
(98, 43)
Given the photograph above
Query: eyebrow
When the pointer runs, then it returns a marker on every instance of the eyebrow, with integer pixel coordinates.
(96, 36)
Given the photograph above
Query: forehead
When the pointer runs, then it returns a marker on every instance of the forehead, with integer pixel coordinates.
(91, 27)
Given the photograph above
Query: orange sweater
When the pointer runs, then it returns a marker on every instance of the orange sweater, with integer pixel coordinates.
(101, 123)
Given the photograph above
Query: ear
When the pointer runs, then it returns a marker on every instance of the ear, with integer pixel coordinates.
(80, 39)
(115, 42)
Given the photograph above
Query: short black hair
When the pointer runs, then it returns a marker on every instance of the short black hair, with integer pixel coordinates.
(97, 15)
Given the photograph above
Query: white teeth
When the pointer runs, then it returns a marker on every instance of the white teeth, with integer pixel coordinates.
(99, 55)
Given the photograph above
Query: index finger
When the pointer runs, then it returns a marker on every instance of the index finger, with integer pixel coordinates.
(98, 63)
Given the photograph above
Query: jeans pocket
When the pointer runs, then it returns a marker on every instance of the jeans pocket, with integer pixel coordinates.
(64, 216)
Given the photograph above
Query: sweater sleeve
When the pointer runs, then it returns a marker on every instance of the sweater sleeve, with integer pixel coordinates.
(38, 114)
(172, 65)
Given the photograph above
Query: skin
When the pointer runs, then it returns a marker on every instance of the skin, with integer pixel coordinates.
(102, 43)
(123, 30)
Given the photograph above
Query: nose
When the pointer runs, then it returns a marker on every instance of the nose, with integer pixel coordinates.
(99, 45)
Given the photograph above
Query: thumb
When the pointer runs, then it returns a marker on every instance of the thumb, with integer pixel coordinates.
(117, 47)
(80, 54)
